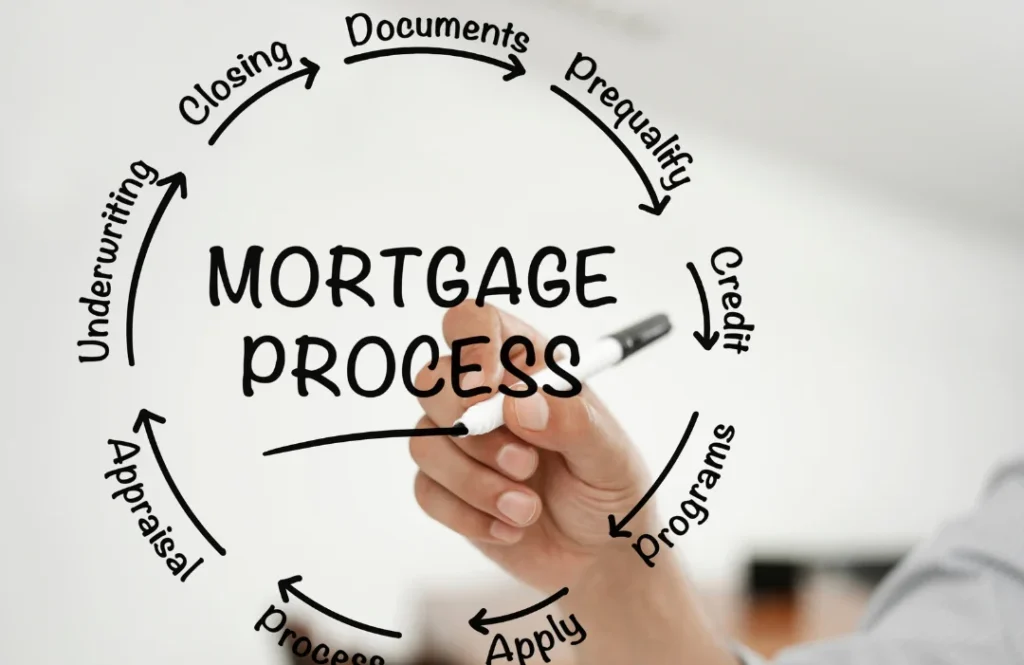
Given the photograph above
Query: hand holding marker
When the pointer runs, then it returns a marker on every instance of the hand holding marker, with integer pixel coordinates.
(535, 494)
(487, 416)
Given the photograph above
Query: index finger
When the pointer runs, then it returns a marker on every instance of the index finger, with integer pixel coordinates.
(469, 323)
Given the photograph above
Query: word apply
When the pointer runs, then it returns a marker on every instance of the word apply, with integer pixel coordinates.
(540, 644)
(735, 329)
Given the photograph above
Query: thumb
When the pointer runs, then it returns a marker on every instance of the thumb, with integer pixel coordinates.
(579, 428)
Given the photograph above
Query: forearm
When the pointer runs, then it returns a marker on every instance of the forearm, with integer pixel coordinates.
(635, 614)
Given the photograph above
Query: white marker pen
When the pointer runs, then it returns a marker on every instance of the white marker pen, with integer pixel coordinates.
(488, 415)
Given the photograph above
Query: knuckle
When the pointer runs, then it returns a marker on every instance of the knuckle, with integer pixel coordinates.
(422, 490)
(454, 315)
(419, 449)
(579, 419)
(489, 486)
(476, 484)
(485, 448)
(427, 377)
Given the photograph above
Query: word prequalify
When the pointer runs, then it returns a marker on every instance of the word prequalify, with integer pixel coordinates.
(117, 214)
(500, 278)
(669, 152)
(693, 508)
(522, 649)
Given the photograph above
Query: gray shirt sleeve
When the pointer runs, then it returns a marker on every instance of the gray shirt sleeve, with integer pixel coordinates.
(956, 599)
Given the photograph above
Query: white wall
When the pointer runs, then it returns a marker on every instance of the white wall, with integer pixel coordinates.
(883, 381)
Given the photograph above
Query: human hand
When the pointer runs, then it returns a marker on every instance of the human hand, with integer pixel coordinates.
(534, 495)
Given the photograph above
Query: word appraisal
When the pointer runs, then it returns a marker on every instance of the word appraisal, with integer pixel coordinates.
(133, 492)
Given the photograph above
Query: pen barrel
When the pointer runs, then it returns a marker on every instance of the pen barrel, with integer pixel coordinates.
(488, 415)
(484, 417)
(639, 335)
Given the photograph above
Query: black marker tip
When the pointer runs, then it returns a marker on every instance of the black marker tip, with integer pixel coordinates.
(640, 334)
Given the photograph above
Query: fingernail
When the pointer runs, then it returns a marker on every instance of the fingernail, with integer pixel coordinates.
(517, 507)
(505, 533)
(532, 412)
(519, 462)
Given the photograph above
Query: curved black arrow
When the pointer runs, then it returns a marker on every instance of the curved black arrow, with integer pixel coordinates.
(514, 67)
(146, 419)
(657, 205)
(175, 183)
(615, 530)
(707, 339)
(479, 623)
(309, 71)
(288, 584)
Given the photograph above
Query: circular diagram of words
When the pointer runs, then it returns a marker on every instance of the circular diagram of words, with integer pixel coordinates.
(141, 465)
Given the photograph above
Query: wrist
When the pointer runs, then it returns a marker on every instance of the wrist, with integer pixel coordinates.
(634, 613)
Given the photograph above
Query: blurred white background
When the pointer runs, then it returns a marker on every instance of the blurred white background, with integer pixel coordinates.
(862, 156)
